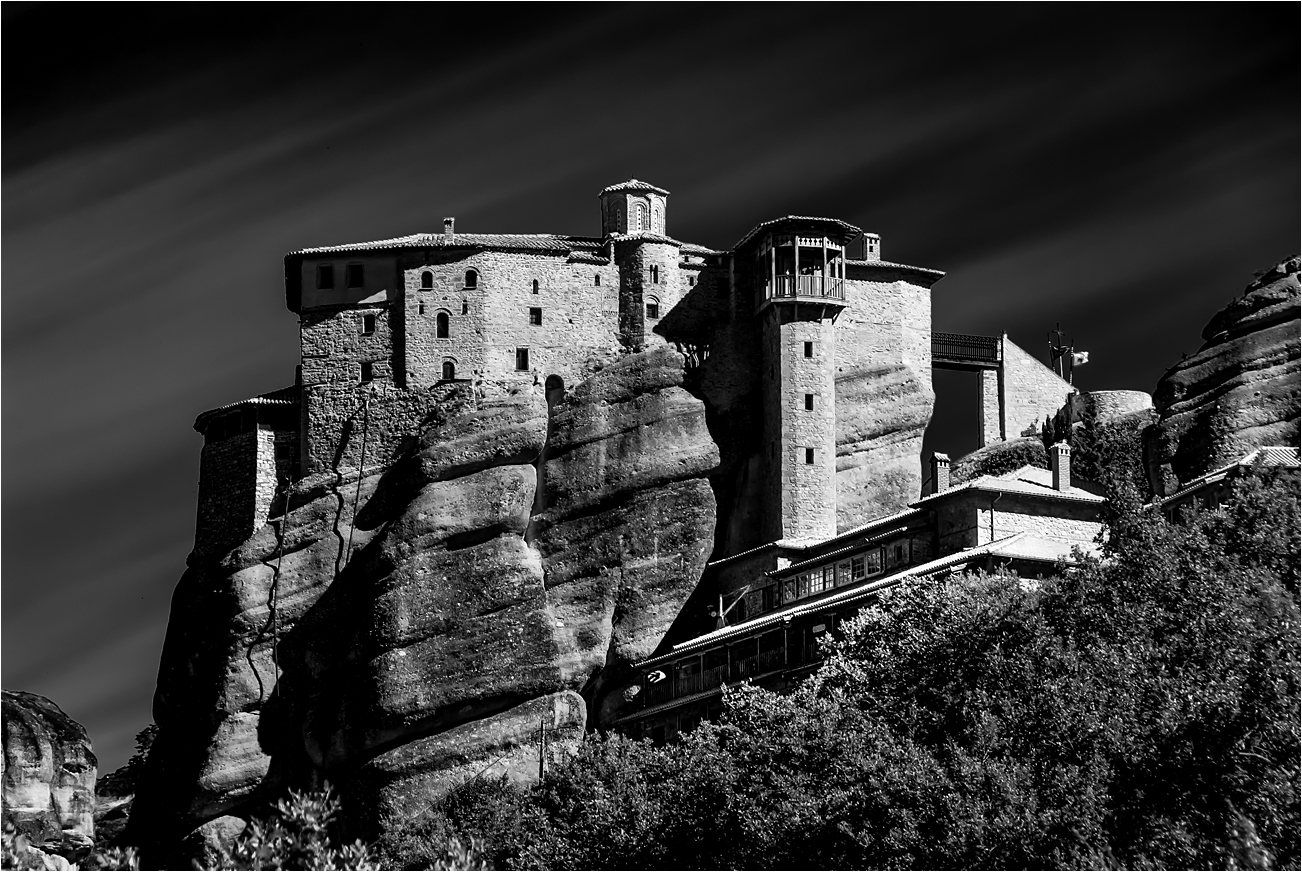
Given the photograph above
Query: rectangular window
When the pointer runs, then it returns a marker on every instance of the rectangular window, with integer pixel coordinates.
(354, 275)
(809, 349)
(655, 275)
(691, 281)
(809, 402)
(535, 316)
(856, 569)
(325, 276)
(653, 310)
(596, 280)
(522, 358)
(421, 308)
(465, 307)
(368, 371)
(809, 456)
(368, 323)
(872, 562)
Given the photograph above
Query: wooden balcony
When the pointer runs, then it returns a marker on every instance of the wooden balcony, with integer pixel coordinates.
(822, 289)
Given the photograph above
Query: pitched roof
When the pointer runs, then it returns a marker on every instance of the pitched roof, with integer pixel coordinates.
(1266, 456)
(851, 232)
(1028, 481)
(887, 264)
(521, 241)
(634, 185)
(283, 397)
(1024, 545)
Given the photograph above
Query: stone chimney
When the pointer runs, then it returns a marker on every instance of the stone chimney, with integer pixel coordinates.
(1060, 466)
(448, 224)
(939, 472)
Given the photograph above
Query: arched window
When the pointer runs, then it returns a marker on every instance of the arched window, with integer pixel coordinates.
(465, 307)
(449, 370)
(639, 217)
(472, 279)
(655, 274)
(426, 280)
(652, 308)
(658, 218)
(535, 286)
(441, 326)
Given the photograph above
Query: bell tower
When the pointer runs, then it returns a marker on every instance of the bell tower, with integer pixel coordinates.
(633, 207)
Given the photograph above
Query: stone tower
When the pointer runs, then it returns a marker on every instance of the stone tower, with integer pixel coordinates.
(633, 207)
(798, 275)
(633, 212)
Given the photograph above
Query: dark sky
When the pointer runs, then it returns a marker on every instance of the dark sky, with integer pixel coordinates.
(1120, 169)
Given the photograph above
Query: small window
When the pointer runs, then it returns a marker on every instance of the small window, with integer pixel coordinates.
(368, 371)
(522, 358)
(809, 456)
(472, 279)
(655, 275)
(596, 280)
(368, 325)
(653, 310)
(421, 308)
(449, 370)
(809, 349)
(535, 286)
(426, 280)
(809, 402)
(535, 316)
(441, 326)
(691, 281)
(325, 276)
(354, 275)
(465, 307)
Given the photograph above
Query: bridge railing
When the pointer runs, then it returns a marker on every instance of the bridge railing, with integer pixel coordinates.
(965, 348)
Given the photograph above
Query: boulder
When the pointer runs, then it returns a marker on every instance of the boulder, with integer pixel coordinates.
(48, 775)
(1238, 392)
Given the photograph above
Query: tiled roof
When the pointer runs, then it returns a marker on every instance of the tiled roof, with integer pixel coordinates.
(886, 264)
(520, 241)
(1267, 456)
(1029, 481)
(693, 248)
(634, 185)
(588, 257)
(644, 237)
(840, 598)
(850, 230)
(283, 397)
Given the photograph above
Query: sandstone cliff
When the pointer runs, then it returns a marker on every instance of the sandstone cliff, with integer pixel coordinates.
(1238, 392)
(48, 774)
(506, 565)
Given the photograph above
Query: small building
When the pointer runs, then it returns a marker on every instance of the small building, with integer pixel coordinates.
(775, 603)
(1209, 491)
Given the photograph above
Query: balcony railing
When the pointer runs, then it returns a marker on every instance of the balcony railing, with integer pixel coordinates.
(804, 287)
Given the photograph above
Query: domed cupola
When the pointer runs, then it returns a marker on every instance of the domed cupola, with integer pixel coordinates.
(633, 207)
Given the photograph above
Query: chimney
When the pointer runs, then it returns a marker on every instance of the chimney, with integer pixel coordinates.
(1060, 465)
(939, 472)
(448, 224)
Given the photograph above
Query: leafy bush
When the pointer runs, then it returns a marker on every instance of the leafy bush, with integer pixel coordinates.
(301, 832)
(1142, 711)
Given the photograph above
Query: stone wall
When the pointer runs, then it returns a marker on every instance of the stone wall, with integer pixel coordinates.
(237, 482)
(1023, 390)
(805, 490)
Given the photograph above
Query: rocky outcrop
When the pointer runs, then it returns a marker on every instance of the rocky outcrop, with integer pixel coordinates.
(49, 774)
(1238, 392)
(400, 631)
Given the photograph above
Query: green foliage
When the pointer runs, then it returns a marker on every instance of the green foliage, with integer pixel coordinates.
(301, 832)
(1142, 711)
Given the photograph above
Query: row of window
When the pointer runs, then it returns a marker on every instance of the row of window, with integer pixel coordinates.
(325, 276)
(471, 280)
(367, 368)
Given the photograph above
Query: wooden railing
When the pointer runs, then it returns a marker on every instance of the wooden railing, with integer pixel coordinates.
(805, 287)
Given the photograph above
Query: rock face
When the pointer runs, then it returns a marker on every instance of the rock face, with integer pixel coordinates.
(1238, 392)
(405, 633)
(49, 774)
